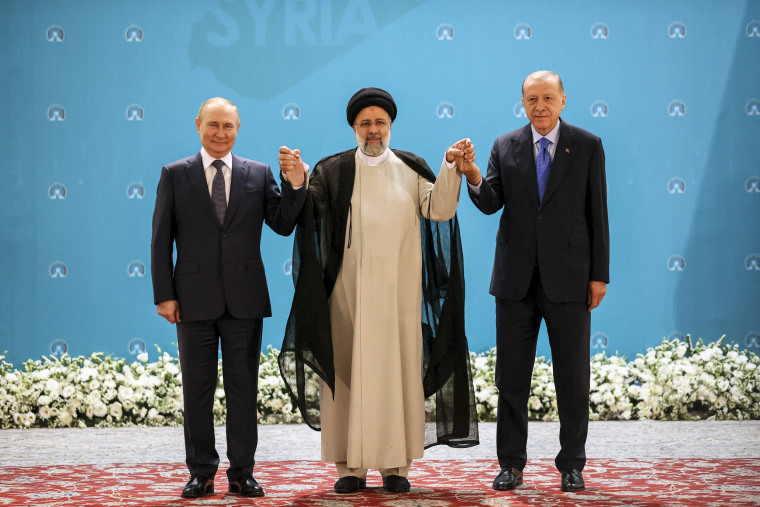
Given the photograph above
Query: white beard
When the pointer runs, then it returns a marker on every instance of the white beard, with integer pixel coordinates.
(373, 150)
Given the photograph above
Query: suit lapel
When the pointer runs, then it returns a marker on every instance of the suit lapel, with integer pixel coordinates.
(526, 162)
(240, 172)
(197, 178)
(563, 157)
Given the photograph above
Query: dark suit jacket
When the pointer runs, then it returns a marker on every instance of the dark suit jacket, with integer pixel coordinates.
(217, 266)
(567, 234)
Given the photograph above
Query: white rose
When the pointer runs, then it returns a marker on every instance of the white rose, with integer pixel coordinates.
(68, 391)
(64, 417)
(28, 419)
(99, 409)
(125, 393)
(44, 400)
(115, 409)
(143, 356)
(44, 412)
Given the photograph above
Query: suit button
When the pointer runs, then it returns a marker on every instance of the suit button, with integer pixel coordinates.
(540, 217)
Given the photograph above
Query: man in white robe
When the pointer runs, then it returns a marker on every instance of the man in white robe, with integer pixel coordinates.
(374, 415)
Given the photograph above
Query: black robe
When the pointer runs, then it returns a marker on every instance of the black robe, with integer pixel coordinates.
(307, 353)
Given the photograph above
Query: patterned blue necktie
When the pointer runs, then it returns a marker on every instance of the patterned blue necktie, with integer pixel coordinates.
(543, 166)
(218, 193)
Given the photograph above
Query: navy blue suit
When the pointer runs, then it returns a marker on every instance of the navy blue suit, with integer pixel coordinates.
(221, 287)
(546, 254)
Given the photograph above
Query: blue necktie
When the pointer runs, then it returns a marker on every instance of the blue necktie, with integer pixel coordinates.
(543, 166)
(218, 193)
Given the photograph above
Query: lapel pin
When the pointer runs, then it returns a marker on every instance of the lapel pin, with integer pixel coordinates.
(567, 150)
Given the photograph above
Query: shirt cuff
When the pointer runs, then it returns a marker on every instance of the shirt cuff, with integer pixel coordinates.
(475, 189)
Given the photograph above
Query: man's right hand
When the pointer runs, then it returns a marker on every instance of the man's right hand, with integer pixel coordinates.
(169, 310)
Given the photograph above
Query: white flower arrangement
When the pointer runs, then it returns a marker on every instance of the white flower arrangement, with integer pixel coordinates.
(673, 381)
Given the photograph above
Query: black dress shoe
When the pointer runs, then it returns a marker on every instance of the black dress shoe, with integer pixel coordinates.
(509, 478)
(246, 486)
(396, 484)
(349, 484)
(197, 486)
(572, 480)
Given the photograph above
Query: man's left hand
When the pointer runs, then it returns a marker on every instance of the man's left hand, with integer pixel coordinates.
(596, 292)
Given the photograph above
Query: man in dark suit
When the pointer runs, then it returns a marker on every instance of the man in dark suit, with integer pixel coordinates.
(551, 263)
(213, 205)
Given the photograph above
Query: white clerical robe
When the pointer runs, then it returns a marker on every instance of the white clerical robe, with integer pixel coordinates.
(377, 419)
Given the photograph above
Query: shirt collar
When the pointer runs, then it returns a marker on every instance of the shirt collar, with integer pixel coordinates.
(373, 161)
(208, 159)
(551, 136)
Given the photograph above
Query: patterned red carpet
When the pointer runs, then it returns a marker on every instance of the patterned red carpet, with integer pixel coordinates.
(636, 482)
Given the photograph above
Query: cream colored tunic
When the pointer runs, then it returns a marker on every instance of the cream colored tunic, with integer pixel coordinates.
(377, 419)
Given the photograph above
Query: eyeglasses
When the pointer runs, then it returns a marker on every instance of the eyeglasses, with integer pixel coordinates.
(380, 124)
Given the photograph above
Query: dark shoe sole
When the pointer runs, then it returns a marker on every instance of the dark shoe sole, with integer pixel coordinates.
(347, 491)
(207, 491)
(572, 489)
(507, 487)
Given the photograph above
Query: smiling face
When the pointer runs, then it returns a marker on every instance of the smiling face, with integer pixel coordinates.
(543, 100)
(372, 128)
(218, 123)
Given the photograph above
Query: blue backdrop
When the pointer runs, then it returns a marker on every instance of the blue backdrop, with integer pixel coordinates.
(97, 96)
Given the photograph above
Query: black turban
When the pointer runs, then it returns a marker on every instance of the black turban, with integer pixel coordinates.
(367, 97)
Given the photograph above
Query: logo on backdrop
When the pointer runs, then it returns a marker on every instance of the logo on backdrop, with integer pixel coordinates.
(599, 341)
(318, 31)
(599, 109)
(752, 262)
(752, 184)
(444, 32)
(287, 268)
(55, 34)
(56, 113)
(676, 186)
(57, 191)
(676, 263)
(444, 110)
(677, 30)
(752, 339)
(677, 335)
(135, 191)
(136, 346)
(599, 31)
(676, 108)
(58, 348)
(753, 29)
(133, 34)
(519, 111)
(136, 269)
(522, 31)
(58, 270)
(135, 113)
(753, 107)
(291, 112)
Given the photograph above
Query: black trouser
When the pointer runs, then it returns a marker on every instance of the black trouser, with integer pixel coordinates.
(517, 325)
(198, 353)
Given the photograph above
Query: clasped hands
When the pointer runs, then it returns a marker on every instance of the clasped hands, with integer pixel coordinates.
(463, 154)
(292, 166)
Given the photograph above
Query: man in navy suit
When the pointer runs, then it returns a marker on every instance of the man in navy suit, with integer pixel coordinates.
(213, 205)
(551, 263)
